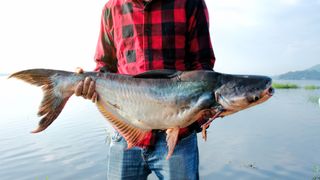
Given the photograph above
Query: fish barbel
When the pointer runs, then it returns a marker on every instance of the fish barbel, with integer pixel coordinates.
(160, 99)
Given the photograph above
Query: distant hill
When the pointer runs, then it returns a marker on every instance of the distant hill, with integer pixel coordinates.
(312, 73)
(2, 74)
(315, 68)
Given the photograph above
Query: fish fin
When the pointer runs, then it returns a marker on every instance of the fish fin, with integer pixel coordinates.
(172, 139)
(204, 132)
(54, 98)
(159, 74)
(131, 134)
(206, 125)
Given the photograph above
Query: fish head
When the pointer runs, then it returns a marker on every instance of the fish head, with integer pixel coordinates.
(238, 92)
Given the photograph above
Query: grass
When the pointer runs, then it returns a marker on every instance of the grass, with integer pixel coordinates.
(284, 86)
(293, 86)
(311, 87)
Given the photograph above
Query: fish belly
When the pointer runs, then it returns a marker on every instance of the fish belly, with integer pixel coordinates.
(147, 105)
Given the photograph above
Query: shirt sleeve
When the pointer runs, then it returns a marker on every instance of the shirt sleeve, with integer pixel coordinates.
(200, 51)
(105, 56)
(199, 47)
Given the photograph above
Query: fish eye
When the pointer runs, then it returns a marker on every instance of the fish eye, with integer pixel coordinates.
(253, 99)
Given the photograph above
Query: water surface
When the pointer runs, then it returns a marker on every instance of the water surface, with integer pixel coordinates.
(275, 140)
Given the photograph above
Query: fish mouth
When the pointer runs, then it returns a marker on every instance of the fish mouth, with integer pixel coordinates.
(265, 95)
(268, 92)
(230, 108)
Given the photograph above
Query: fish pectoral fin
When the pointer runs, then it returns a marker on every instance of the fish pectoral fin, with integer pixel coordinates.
(172, 139)
(131, 134)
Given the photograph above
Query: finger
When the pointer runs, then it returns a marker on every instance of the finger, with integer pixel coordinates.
(79, 88)
(94, 97)
(91, 89)
(79, 70)
(86, 85)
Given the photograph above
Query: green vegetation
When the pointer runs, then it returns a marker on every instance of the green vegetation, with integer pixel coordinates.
(314, 99)
(316, 172)
(284, 86)
(293, 86)
(311, 87)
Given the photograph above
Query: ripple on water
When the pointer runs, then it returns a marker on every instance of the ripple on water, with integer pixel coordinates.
(275, 140)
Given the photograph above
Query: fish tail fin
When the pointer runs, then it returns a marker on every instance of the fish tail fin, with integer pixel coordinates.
(55, 92)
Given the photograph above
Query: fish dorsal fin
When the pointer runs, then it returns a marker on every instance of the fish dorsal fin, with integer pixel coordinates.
(131, 134)
(159, 74)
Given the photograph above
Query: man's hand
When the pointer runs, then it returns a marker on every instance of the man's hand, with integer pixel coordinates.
(86, 88)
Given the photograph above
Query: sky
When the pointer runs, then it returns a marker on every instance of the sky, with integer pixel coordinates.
(266, 37)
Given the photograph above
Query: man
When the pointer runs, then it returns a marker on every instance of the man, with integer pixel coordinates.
(141, 35)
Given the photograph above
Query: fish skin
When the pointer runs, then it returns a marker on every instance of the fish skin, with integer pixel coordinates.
(136, 105)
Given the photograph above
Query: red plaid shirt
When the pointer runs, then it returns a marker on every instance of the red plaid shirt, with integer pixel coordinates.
(137, 36)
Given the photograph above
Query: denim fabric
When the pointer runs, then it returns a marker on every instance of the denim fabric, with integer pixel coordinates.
(137, 163)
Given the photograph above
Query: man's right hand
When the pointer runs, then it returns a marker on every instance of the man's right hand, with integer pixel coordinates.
(86, 88)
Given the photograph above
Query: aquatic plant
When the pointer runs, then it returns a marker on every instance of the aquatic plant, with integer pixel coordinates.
(314, 99)
(311, 87)
(284, 86)
(293, 86)
(316, 172)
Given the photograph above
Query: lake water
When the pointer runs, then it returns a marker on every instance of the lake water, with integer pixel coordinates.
(279, 139)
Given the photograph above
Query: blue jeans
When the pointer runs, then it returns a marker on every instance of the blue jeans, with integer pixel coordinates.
(137, 163)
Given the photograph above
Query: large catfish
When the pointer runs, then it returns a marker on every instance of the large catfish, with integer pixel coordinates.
(160, 99)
